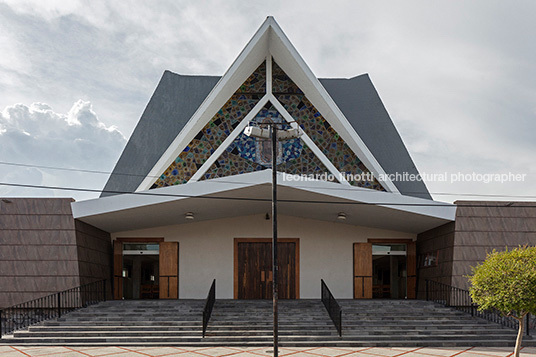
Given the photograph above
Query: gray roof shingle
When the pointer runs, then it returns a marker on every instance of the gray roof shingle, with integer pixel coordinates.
(177, 97)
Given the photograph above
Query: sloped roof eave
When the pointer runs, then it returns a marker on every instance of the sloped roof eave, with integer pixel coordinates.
(136, 210)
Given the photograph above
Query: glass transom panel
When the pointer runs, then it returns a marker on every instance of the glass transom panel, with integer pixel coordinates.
(388, 249)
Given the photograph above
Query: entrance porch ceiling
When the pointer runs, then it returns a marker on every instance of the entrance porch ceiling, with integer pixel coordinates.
(250, 194)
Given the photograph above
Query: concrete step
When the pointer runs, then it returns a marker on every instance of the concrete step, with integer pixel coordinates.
(249, 323)
(376, 335)
(333, 340)
(268, 344)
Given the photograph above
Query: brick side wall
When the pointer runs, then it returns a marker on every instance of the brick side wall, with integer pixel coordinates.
(438, 242)
(43, 249)
(479, 230)
(480, 227)
(38, 252)
(94, 254)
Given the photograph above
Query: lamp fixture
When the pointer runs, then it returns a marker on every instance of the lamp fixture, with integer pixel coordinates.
(341, 216)
(264, 133)
(189, 215)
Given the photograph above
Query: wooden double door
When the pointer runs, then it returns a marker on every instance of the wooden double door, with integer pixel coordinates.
(168, 266)
(253, 268)
(363, 267)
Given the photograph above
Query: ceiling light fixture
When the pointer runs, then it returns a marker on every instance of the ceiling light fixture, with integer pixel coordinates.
(189, 215)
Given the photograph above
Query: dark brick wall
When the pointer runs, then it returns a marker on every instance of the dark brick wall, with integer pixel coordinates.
(94, 250)
(38, 252)
(438, 242)
(43, 250)
(491, 225)
(480, 227)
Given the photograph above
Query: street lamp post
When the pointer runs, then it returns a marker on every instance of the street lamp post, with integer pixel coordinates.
(275, 290)
(274, 135)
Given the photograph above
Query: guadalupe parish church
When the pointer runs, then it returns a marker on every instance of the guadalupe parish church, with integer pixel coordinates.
(189, 200)
(200, 207)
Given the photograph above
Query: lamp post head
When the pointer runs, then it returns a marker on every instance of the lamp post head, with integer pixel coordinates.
(289, 134)
(264, 133)
(256, 132)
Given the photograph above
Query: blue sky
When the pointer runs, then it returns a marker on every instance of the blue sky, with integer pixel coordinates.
(458, 78)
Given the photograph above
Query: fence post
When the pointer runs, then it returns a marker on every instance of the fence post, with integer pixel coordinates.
(1, 324)
(340, 323)
(84, 294)
(59, 305)
(104, 290)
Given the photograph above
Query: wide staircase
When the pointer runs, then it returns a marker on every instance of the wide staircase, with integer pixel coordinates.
(249, 323)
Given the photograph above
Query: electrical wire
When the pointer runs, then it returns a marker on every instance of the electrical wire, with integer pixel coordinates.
(159, 194)
(72, 169)
(242, 183)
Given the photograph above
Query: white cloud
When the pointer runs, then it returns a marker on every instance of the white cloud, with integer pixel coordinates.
(457, 77)
(37, 135)
(11, 58)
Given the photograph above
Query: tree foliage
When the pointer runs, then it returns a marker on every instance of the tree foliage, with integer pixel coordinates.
(506, 281)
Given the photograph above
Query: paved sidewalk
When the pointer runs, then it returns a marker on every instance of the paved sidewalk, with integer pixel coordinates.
(12, 351)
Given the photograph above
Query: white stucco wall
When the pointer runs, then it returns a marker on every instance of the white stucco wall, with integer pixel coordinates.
(206, 251)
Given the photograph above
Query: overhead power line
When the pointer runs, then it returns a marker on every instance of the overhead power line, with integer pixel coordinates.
(242, 183)
(268, 200)
(72, 169)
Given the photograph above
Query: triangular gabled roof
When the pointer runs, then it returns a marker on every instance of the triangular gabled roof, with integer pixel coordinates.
(268, 42)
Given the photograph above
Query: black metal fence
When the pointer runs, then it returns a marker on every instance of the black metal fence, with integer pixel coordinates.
(52, 306)
(333, 307)
(460, 299)
(209, 305)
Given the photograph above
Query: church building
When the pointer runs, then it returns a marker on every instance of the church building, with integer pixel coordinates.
(189, 200)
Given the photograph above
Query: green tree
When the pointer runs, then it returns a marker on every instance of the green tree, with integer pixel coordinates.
(506, 281)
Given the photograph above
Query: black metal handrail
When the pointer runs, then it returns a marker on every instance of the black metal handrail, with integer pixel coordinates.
(52, 306)
(333, 307)
(209, 305)
(461, 300)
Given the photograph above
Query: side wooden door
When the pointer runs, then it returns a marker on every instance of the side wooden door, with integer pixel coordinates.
(118, 270)
(412, 270)
(169, 270)
(362, 270)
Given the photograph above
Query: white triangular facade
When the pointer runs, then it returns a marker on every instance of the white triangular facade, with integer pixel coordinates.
(239, 104)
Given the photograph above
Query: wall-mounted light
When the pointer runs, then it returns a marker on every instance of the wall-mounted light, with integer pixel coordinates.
(189, 215)
(341, 216)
